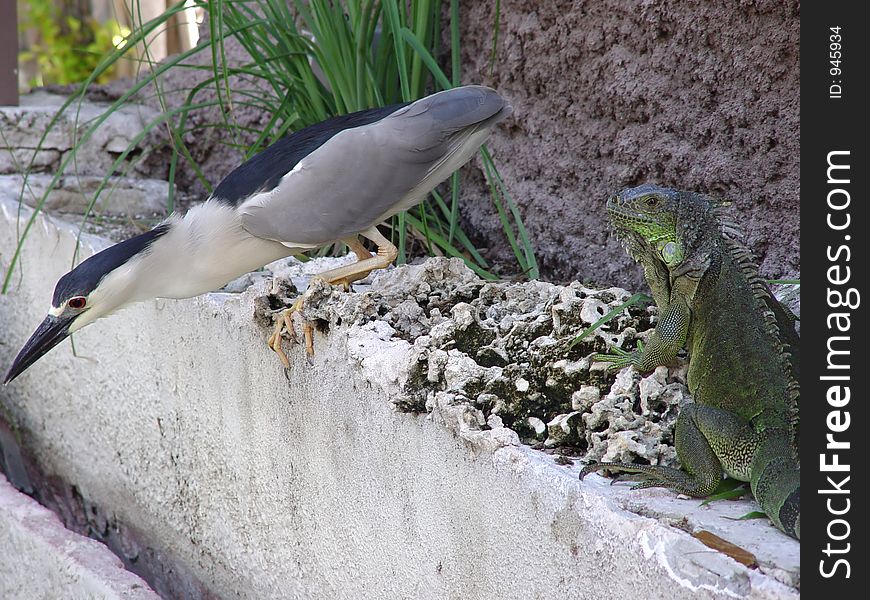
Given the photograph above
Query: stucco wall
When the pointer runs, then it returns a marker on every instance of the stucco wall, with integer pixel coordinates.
(608, 94)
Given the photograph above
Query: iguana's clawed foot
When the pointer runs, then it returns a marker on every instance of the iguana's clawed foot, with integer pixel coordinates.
(647, 479)
(658, 476)
(619, 358)
(625, 477)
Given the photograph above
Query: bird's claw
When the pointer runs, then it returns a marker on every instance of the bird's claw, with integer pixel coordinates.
(283, 323)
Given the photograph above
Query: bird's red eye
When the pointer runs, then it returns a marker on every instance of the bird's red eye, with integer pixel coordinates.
(77, 302)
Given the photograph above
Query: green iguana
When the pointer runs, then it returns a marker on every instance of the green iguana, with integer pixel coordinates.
(742, 345)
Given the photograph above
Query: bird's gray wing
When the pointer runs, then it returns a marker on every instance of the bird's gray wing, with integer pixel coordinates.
(362, 175)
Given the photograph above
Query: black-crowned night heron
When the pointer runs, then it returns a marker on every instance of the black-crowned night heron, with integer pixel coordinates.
(329, 182)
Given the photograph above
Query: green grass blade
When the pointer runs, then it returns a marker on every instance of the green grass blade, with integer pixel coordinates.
(460, 236)
(738, 492)
(424, 55)
(755, 514)
(634, 299)
(395, 29)
(527, 259)
(451, 251)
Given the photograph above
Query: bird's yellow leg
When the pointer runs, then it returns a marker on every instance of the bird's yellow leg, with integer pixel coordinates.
(362, 254)
(347, 274)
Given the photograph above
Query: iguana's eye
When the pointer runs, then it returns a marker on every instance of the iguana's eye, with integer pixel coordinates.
(77, 302)
(651, 201)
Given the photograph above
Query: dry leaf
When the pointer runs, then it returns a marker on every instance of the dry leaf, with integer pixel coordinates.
(711, 540)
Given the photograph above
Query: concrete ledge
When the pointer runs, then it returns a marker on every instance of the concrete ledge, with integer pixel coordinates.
(42, 559)
(24, 127)
(73, 194)
(178, 422)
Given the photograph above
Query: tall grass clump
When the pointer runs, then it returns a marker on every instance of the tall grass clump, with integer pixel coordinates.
(308, 60)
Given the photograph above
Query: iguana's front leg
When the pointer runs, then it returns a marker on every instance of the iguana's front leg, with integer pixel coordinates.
(665, 342)
(658, 280)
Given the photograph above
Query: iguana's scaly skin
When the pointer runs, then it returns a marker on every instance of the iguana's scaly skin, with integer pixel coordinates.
(742, 344)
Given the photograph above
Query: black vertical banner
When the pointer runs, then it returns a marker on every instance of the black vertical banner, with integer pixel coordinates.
(835, 426)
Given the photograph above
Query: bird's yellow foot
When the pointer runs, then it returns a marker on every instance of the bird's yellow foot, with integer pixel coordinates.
(284, 322)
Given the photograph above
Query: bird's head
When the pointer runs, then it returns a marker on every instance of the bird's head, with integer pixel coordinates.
(97, 287)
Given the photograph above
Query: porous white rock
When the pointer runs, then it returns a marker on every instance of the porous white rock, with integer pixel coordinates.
(583, 399)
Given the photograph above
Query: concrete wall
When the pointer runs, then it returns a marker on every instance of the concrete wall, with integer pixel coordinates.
(178, 426)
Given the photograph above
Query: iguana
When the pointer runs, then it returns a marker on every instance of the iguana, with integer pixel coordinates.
(742, 346)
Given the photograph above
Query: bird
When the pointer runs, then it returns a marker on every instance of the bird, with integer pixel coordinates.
(326, 183)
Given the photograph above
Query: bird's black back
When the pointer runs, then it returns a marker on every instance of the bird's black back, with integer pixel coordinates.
(263, 171)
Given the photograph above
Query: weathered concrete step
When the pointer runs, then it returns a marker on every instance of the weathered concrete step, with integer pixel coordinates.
(127, 196)
(22, 148)
(44, 560)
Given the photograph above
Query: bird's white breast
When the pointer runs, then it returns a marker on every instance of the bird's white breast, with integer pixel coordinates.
(204, 251)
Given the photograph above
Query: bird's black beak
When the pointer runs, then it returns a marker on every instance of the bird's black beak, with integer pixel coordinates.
(52, 331)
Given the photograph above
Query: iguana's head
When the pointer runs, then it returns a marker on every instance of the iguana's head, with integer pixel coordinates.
(657, 223)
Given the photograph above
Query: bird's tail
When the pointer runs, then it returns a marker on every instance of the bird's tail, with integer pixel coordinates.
(454, 110)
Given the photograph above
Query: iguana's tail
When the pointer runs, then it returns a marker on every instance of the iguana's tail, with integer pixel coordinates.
(776, 482)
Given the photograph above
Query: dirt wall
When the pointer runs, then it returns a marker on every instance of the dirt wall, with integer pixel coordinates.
(610, 93)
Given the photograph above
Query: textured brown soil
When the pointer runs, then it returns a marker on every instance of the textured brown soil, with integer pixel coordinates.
(609, 94)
